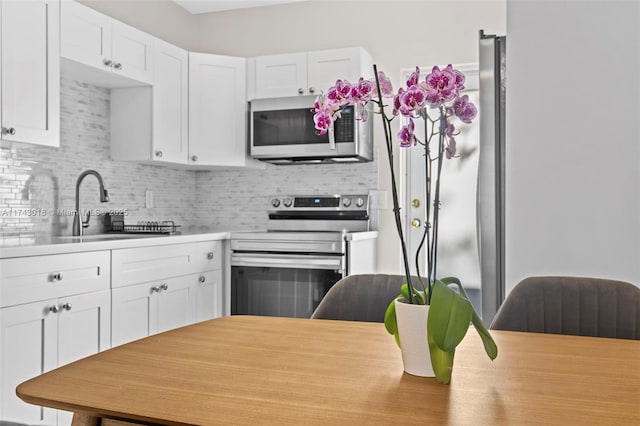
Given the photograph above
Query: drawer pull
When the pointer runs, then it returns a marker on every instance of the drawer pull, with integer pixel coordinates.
(55, 309)
(66, 306)
(155, 289)
(164, 286)
(56, 277)
(201, 279)
(210, 255)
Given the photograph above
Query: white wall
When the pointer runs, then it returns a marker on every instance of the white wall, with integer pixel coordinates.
(573, 138)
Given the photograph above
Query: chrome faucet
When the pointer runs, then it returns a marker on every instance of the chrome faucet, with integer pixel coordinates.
(104, 197)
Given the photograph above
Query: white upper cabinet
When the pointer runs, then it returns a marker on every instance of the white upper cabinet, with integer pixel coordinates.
(281, 75)
(30, 71)
(194, 114)
(100, 42)
(324, 67)
(150, 123)
(309, 73)
(217, 110)
(170, 104)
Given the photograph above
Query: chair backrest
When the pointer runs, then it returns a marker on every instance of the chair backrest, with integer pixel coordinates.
(360, 298)
(572, 305)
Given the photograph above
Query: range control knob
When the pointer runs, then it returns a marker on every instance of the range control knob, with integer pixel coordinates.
(287, 202)
(360, 202)
(346, 202)
(275, 202)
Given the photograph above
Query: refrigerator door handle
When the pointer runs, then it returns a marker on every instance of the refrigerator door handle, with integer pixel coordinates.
(490, 189)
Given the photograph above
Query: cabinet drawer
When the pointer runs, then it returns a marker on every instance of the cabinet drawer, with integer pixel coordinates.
(29, 279)
(207, 255)
(137, 265)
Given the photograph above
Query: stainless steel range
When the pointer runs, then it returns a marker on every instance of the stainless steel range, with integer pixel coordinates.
(310, 243)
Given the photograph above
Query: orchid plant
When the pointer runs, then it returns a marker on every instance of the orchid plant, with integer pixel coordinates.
(435, 102)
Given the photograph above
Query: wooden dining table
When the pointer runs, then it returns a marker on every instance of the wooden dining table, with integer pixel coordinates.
(248, 370)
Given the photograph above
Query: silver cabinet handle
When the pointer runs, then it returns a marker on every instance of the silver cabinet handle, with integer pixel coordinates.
(159, 154)
(66, 306)
(311, 90)
(210, 255)
(55, 309)
(9, 130)
(164, 286)
(155, 289)
(201, 279)
(56, 277)
(194, 158)
(107, 62)
(300, 91)
(117, 66)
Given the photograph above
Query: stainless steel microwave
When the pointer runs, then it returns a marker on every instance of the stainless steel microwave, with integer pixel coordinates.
(282, 131)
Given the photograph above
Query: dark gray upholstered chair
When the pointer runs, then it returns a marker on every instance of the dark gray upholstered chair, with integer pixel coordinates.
(359, 298)
(572, 305)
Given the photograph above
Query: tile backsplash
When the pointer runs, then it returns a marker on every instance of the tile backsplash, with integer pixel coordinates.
(37, 184)
(238, 199)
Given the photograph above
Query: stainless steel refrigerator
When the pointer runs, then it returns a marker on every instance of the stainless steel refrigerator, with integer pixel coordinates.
(491, 165)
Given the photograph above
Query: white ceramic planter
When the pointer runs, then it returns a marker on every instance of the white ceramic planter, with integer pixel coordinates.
(412, 330)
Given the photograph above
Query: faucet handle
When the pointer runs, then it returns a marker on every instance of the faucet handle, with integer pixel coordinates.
(85, 223)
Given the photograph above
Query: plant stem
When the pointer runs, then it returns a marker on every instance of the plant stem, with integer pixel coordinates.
(436, 200)
(394, 190)
(427, 217)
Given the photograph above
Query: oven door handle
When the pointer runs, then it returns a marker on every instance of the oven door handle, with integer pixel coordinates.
(288, 261)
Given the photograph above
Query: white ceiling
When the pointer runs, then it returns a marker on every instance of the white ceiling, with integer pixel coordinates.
(206, 6)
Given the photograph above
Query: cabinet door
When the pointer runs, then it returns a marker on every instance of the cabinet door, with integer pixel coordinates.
(131, 310)
(170, 103)
(176, 303)
(217, 110)
(326, 66)
(84, 325)
(28, 342)
(30, 39)
(131, 52)
(281, 75)
(209, 296)
(86, 35)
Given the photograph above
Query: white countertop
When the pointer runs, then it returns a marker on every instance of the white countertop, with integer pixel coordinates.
(38, 245)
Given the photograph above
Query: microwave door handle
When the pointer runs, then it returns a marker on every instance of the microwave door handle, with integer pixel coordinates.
(332, 139)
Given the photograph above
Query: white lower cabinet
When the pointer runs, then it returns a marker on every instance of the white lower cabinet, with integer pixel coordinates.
(187, 287)
(56, 309)
(209, 289)
(141, 310)
(40, 336)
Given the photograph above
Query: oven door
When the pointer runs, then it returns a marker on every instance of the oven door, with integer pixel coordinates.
(282, 285)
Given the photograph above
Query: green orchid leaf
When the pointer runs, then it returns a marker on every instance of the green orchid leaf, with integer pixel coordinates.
(404, 291)
(449, 317)
(390, 321)
(419, 298)
(441, 361)
(490, 346)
